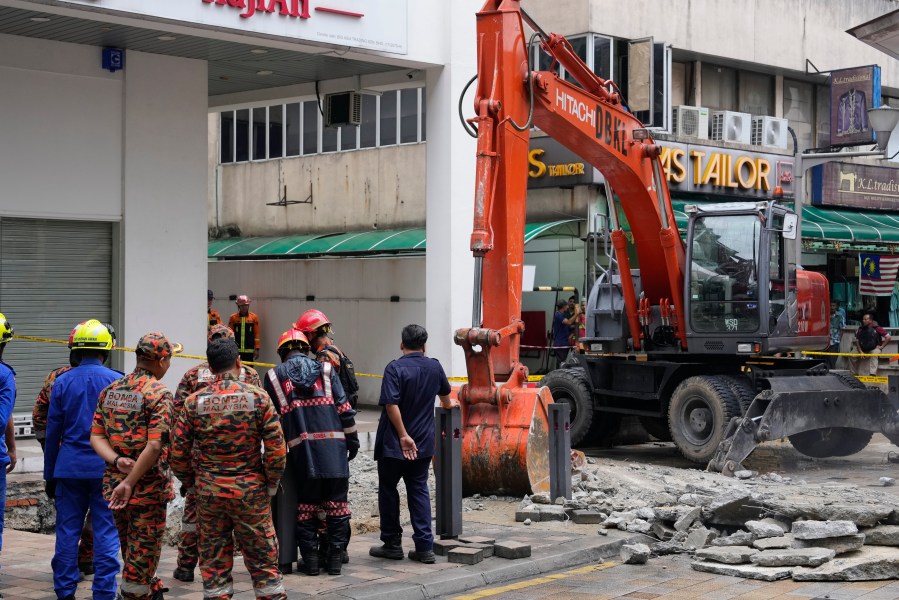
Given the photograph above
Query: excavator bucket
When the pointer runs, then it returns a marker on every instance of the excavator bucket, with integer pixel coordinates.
(505, 446)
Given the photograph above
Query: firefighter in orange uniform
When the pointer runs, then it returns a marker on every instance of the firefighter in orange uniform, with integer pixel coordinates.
(194, 380)
(213, 317)
(245, 326)
(131, 433)
(219, 434)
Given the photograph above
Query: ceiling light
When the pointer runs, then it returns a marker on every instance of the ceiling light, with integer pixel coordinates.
(263, 72)
(166, 38)
(258, 51)
(106, 29)
(40, 19)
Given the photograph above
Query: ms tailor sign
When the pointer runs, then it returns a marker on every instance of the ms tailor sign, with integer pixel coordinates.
(550, 164)
(855, 186)
(377, 25)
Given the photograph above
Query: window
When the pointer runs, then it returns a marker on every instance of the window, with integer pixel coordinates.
(719, 86)
(295, 128)
(602, 56)
(799, 108)
(275, 131)
(756, 94)
(579, 45)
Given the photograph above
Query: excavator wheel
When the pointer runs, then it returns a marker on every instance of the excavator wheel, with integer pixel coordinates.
(742, 389)
(833, 441)
(570, 385)
(698, 414)
(657, 428)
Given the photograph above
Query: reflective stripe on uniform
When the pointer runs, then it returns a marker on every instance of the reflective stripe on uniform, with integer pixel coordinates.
(315, 437)
(243, 335)
(326, 379)
(350, 429)
(276, 385)
(138, 589)
(270, 590)
(225, 590)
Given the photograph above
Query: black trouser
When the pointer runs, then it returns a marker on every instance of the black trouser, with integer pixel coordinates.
(329, 496)
(415, 475)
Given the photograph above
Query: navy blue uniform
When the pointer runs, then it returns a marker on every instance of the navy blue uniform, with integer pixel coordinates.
(7, 401)
(77, 470)
(412, 382)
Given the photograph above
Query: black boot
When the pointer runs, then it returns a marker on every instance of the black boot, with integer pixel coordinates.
(307, 539)
(392, 548)
(334, 560)
(338, 538)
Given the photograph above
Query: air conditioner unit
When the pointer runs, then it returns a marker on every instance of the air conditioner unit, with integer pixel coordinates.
(729, 126)
(344, 108)
(769, 131)
(690, 121)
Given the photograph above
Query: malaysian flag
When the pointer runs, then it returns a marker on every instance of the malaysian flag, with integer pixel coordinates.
(878, 274)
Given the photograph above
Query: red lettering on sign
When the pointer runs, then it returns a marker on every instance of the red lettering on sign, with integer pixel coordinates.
(297, 9)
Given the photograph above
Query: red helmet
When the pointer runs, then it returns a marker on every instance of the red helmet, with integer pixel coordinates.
(311, 320)
(290, 339)
(243, 301)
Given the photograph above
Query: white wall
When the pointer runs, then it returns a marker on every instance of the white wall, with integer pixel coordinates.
(164, 202)
(61, 132)
(353, 293)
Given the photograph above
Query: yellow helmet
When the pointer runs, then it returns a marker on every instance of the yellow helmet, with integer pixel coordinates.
(5, 330)
(92, 335)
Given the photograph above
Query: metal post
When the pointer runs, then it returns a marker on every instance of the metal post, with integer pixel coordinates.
(559, 451)
(448, 472)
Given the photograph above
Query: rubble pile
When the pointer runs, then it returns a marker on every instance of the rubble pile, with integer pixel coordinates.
(760, 526)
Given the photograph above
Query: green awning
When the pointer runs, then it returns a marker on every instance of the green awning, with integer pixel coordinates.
(359, 243)
(865, 228)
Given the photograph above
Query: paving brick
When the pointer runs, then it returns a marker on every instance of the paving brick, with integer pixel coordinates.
(512, 550)
(486, 548)
(441, 547)
(465, 555)
(522, 515)
(476, 539)
(586, 517)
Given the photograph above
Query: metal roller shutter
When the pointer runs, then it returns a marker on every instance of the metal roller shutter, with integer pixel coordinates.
(53, 275)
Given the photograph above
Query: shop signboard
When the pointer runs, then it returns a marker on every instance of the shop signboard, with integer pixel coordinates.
(852, 92)
(722, 171)
(377, 25)
(855, 186)
(550, 164)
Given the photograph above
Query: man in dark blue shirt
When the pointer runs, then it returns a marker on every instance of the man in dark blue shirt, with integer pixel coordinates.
(404, 444)
(74, 472)
(562, 322)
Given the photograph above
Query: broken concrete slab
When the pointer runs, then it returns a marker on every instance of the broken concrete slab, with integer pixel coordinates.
(699, 538)
(695, 500)
(840, 545)
(775, 543)
(662, 531)
(793, 557)
(746, 571)
(685, 521)
(763, 530)
(740, 538)
(868, 564)
(731, 555)
(864, 515)
(883, 535)
(733, 507)
(634, 554)
(816, 530)
(637, 526)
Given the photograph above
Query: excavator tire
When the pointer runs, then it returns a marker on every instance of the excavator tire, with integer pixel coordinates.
(570, 385)
(657, 428)
(834, 441)
(698, 414)
(742, 389)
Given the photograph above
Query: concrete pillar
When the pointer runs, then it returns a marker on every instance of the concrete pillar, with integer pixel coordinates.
(450, 186)
(164, 174)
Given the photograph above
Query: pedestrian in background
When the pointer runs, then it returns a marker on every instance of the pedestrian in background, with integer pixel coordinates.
(220, 434)
(247, 330)
(562, 322)
(404, 444)
(212, 316)
(196, 379)
(870, 338)
(74, 472)
(39, 426)
(130, 432)
(7, 403)
(320, 428)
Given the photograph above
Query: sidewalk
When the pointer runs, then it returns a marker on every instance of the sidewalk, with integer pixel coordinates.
(555, 546)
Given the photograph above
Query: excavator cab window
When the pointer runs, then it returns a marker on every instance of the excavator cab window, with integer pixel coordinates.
(724, 286)
(782, 308)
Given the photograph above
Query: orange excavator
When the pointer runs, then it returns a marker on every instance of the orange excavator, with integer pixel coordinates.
(692, 341)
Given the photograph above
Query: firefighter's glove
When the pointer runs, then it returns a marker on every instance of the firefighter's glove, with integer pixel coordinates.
(352, 445)
(50, 488)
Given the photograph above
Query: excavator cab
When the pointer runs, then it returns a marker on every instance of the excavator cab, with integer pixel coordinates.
(742, 292)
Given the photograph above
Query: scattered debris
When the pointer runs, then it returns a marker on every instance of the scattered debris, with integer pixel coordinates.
(634, 554)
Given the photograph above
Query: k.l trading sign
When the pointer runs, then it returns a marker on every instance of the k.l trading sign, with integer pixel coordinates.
(852, 93)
